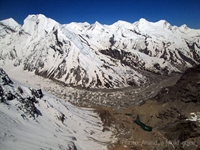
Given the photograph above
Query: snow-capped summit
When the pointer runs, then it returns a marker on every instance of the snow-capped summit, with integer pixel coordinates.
(147, 27)
(77, 27)
(96, 27)
(184, 27)
(38, 24)
(142, 23)
(10, 23)
(122, 24)
(96, 55)
(164, 24)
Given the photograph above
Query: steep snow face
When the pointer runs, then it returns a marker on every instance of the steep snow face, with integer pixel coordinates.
(96, 55)
(37, 120)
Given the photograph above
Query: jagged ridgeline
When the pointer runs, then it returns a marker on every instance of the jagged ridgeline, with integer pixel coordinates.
(96, 55)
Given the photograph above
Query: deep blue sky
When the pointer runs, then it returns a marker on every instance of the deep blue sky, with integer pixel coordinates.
(176, 12)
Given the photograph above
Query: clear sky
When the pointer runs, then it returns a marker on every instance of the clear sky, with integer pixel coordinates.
(176, 12)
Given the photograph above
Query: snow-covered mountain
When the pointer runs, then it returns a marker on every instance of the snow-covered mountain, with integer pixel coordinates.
(33, 119)
(96, 55)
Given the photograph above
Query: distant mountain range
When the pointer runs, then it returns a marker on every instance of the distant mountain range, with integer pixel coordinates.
(96, 55)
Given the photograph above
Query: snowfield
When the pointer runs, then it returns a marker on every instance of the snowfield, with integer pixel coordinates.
(46, 122)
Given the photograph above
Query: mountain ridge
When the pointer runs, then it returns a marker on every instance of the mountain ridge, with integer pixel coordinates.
(96, 55)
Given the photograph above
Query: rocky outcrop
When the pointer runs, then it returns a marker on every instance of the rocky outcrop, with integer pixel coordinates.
(26, 103)
(4, 79)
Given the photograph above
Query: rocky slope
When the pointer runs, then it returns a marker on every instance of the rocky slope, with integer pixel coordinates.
(173, 114)
(96, 55)
(34, 119)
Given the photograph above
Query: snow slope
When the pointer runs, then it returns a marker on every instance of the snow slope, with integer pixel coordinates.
(32, 120)
(96, 55)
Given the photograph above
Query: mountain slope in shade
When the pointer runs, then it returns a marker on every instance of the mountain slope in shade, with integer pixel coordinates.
(173, 114)
(96, 55)
(34, 119)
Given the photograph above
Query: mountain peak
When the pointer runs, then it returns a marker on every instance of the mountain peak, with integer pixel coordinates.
(10, 23)
(38, 16)
(164, 24)
(97, 23)
(143, 20)
(184, 27)
(122, 23)
(41, 21)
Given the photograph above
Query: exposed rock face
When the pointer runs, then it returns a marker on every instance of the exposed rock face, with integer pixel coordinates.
(37, 93)
(98, 56)
(4, 79)
(186, 90)
(26, 103)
